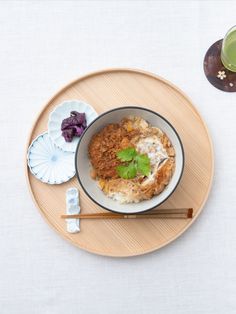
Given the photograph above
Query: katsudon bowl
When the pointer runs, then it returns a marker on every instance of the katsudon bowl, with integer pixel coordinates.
(83, 164)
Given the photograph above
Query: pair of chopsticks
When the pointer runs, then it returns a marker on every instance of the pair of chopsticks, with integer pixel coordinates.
(180, 213)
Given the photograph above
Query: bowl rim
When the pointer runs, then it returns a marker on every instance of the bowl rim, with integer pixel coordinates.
(121, 108)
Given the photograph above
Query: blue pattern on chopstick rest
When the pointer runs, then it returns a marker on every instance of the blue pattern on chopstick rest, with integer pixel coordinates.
(72, 207)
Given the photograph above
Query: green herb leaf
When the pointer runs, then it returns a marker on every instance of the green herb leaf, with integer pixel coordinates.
(127, 172)
(126, 154)
(143, 164)
(138, 163)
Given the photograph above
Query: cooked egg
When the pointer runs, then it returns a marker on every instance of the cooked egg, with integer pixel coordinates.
(153, 148)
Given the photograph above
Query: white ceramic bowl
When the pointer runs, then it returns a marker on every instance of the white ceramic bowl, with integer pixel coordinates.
(83, 167)
(63, 111)
(49, 163)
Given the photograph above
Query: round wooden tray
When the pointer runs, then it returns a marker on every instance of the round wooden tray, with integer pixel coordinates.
(115, 88)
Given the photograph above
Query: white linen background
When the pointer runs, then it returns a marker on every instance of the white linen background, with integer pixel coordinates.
(45, 45)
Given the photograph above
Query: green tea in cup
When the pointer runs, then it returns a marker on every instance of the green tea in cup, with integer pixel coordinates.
(228, 52)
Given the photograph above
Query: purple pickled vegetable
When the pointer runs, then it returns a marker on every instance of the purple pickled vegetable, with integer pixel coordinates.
(78, 130)
(68, 135)
(75, 118)
(79, 116)
(73, 126)
(84, 124)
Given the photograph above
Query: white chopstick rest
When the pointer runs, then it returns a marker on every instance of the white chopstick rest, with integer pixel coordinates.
(72, 207)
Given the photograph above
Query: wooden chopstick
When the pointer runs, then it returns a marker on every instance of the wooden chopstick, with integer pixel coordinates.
(180, 213)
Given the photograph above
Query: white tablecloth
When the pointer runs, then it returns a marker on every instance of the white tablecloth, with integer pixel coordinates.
(46, 44)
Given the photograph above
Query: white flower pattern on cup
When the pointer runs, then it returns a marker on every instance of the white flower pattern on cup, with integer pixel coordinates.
(221, 75)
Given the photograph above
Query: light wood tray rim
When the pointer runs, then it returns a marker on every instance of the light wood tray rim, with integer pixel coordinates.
(105, 71)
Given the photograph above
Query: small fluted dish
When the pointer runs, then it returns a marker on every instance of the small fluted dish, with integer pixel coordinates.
(48, 163)
(62, 112)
